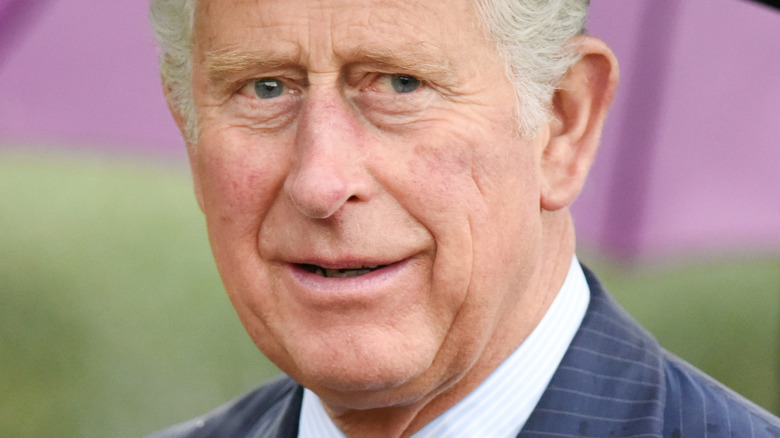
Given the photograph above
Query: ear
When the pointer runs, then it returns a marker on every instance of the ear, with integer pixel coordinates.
(579, 108)
(191, 151)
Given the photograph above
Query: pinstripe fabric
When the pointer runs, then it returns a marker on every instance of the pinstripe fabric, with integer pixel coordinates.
(503, 402)
(614, 381)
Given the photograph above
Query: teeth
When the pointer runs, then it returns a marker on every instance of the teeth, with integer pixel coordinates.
(343, 273)
(346, 273)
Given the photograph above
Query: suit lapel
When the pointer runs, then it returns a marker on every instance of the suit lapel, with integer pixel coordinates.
(609, 383)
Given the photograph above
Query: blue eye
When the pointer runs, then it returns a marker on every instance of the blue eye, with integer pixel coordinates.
(404, 83)
(268, 88)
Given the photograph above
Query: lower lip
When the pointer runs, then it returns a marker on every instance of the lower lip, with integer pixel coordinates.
(316, 287)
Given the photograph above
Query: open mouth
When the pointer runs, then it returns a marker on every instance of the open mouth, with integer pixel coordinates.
(340, 273)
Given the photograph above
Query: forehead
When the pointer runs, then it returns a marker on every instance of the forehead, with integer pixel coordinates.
(308, 29)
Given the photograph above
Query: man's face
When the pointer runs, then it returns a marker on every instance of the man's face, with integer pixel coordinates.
(373, 214)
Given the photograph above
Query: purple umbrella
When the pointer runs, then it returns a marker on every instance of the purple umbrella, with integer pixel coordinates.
(690, 154)
(82, 73)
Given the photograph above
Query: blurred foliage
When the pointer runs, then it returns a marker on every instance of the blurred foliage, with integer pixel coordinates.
(113, 321)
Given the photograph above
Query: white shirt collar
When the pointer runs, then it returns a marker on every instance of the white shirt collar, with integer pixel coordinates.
(500, 405)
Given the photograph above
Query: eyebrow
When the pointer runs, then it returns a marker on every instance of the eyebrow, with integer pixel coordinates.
(220, 64)
(417, 59)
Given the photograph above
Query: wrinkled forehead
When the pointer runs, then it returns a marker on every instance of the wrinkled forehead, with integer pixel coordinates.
(308, 28)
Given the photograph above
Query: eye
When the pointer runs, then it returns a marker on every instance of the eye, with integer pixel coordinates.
(268, 88)
(404, 83)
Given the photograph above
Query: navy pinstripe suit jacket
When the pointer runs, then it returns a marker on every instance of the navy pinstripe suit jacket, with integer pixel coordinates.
(614, 381)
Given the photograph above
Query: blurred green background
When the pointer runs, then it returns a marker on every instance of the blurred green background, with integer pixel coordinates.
(113, 321)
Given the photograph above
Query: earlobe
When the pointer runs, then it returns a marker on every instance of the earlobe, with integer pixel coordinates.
(580, 107)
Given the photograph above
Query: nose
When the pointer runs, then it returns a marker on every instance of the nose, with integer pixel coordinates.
(330, 148)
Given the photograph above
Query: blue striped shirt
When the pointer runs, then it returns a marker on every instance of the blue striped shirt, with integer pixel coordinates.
(500, 405)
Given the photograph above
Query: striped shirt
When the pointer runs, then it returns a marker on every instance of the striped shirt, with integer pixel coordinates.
(500, 405)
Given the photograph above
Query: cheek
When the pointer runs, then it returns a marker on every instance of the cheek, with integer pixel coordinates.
(239, 178)
(479, 174)
(476, 191)
(238, 183)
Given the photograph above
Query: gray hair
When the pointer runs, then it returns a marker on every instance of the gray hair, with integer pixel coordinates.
(533, 36)
(535, 39)
(172, 21)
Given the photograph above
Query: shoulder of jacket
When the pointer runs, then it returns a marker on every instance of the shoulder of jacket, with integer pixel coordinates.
(698, 405)
(237, 417)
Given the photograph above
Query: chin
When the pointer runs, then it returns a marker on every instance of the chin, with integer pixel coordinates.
(373, 373)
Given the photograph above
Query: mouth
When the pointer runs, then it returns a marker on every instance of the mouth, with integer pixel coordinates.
(341, 272)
